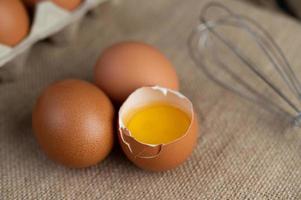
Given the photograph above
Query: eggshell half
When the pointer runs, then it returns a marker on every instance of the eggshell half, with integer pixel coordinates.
(164, 156)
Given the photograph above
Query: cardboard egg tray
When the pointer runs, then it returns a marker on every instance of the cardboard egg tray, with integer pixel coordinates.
(50, 21)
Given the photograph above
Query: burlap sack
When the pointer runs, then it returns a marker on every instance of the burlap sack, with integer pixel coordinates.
(243, 152)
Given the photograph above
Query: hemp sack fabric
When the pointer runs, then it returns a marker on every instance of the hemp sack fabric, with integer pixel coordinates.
(243, 151)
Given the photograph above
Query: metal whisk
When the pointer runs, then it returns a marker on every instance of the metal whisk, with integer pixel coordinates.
(221, 45)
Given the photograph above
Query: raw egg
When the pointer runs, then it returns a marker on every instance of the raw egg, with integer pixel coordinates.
(14, 22)
(157, 128)
(127, 66)
(66, 4)
(72, 121)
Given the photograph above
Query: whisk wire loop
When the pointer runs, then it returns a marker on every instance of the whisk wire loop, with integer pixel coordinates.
(262, 39)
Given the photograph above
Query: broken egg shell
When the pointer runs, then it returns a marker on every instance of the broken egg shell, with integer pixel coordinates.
(163, 156)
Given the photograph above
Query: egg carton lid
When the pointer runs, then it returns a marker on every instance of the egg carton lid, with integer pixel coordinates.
(48, 20)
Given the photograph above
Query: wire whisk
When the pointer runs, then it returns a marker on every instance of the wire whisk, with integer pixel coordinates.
(223, 44)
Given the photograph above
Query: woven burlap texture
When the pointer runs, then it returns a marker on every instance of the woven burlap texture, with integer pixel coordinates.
(243, 151)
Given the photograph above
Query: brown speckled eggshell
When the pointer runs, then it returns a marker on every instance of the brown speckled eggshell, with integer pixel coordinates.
(73, 123)
(170, 156)
(66, 4)
(14, 22)
(162, 156)
(126, 66)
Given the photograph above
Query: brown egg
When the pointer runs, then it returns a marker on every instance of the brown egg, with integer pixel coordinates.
(14, 22)
(66, 4)
(156, 156)
(31, 2)
(126, 66)
(72, 121)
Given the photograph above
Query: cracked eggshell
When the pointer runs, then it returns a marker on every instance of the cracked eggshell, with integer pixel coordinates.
(157, 157)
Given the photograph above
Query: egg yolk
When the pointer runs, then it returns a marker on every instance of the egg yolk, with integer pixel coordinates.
(158, 124)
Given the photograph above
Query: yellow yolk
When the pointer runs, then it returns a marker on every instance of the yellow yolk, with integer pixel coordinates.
(158, 124)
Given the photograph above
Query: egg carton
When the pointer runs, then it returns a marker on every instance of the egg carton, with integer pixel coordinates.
(50, 21)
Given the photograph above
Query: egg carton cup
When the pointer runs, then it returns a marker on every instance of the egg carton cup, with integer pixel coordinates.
(50, 21)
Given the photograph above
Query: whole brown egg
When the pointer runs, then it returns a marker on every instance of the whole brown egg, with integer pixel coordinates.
(73, 123)
(126, 66)
(66, 4)
(14, 22)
